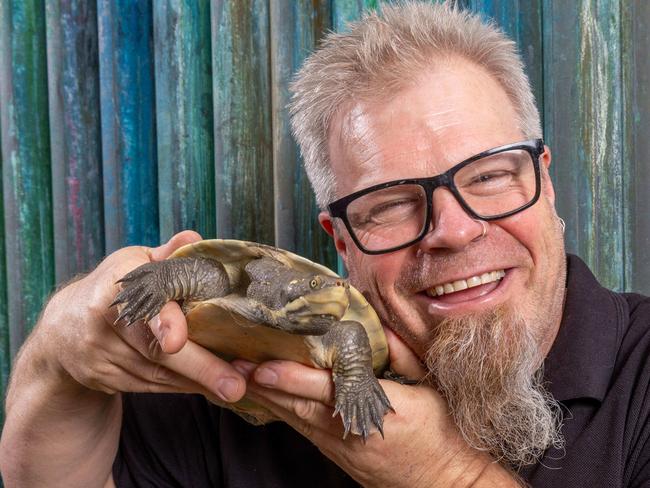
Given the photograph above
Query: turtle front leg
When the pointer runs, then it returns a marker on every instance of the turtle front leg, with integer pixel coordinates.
(146, 289)
(359, 397)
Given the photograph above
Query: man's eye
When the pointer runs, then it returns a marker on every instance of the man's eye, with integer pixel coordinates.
(393, 211)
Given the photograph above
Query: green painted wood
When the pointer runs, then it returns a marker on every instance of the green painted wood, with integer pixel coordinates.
(522, 21)
(242, 120)
(73, 79)
(296, 27)
(26, 163)
(635, 31)
(583, 126)
(184, 117)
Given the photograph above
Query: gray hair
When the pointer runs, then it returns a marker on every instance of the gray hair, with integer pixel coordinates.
(377, 55)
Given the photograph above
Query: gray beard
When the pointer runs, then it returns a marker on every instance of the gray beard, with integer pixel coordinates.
(487, 368)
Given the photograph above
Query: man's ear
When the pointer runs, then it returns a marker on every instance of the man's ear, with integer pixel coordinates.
(547, 184)
(326, 223)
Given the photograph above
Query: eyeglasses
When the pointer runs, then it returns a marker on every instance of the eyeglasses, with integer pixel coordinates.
(491, 185)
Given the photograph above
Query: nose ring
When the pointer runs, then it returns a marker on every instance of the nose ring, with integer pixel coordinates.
(485, 229)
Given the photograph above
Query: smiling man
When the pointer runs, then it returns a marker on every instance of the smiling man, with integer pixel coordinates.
(423, 145)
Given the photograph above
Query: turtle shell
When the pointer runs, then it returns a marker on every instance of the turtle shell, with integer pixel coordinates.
(230, 335)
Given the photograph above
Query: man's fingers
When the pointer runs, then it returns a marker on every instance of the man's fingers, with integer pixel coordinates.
(204, 368)
(178, 240)
(170, 328)
(403, 360)
(296, 379)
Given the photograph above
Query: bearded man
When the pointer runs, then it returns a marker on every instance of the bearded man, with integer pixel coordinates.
(423, 144)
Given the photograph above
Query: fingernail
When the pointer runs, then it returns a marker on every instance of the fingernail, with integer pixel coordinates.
(228, 389)
(266, 377)
(159, 331)
(244, 367)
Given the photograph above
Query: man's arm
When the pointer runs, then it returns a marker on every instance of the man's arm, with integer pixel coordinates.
(63, 405)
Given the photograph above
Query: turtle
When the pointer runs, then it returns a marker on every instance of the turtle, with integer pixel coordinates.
(258, 302)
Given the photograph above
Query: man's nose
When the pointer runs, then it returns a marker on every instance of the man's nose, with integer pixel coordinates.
(452, 227)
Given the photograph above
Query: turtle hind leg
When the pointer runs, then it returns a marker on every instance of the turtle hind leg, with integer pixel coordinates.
(146, 289)
(359, 398)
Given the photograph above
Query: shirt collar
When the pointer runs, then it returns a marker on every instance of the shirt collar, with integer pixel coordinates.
(581, 360)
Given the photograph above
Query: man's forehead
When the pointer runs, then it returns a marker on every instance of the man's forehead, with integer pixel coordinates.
(443, 115)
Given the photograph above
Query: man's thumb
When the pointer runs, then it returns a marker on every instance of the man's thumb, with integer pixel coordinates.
(177, 240)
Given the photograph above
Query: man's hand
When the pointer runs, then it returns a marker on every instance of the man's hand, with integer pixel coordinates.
(62, 405)
(422, 446)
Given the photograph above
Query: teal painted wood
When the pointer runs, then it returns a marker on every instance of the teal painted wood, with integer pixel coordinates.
(344, 11)
(73, 79)
(126, 63)
(5, 354)
(584, 130)
(184, 117)
(242, 120)
(636, 151)
(296, 26)
(26, 163)
(522, 21)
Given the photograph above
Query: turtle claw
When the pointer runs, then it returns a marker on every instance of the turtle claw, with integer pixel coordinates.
(141, 296)
(362, 406)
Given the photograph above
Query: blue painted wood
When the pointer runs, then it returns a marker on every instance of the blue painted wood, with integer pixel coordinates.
(128, 122)
(73, 79)
(184, 117)
(26, 164)
(296, 27)
(5, 354)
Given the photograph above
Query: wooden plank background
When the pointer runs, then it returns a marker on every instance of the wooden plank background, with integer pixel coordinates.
(124, 121)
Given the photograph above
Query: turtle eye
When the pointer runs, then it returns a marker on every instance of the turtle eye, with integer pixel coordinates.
(314, 283)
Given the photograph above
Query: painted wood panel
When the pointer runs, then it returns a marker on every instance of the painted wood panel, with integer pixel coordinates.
(126, 77)
(184, 117)
(26, 163)
(242, 120)
(583, 127)
(296, 27)
(5, 355)
(635, 32)
(73, 79)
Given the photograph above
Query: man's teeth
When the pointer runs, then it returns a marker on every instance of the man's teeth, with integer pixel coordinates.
(459, 285)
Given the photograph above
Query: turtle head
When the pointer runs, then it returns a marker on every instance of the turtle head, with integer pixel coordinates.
(317, 295)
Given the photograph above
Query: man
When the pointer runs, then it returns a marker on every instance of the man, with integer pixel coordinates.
(422, 142)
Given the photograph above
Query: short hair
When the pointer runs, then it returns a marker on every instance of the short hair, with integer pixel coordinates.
(378, 54)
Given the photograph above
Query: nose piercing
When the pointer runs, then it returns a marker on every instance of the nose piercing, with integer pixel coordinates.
(484, 233)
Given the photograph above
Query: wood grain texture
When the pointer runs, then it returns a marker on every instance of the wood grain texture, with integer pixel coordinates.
(126, 66)
(296, 27)
(635, 32)
(184, 117)
(344, 11)
(242, 120)
(584, 130)
(5, 355)
(26, 163)
(73, 79)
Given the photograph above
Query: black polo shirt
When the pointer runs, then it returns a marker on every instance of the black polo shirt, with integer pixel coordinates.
(598, 369)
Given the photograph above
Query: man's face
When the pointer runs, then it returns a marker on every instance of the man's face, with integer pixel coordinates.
(445, 116)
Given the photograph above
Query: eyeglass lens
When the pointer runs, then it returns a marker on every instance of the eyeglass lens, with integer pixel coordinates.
(490, 186)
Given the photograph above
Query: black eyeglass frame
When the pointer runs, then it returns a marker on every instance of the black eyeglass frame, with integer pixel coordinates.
(534, 147)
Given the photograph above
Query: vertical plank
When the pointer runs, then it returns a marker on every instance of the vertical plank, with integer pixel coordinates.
(73, 79)
(184, 117)
(26, 163)
(242, 120)
(5, 354)
(583, 128)
(296, 26)
(128, 122)
(635, 33)
(522, 21)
